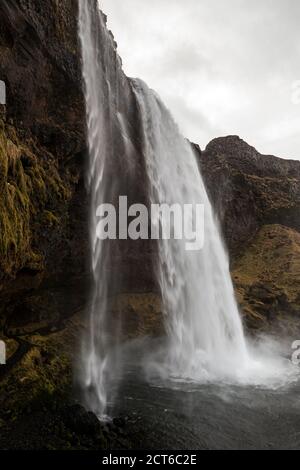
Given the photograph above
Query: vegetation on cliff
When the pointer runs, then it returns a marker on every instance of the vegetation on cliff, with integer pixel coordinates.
(267, 278)
(31, 189)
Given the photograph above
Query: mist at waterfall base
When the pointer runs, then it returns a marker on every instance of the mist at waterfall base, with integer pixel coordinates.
(204, 341)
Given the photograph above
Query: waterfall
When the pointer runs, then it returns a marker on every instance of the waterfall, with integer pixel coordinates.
(201, 317)
(206, 338)
(127, 123)
(98, 346)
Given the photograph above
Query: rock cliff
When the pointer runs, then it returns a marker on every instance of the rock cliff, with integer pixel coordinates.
(257, 200)
(43, 232)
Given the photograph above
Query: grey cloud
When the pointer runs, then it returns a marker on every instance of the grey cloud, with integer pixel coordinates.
(220, 66)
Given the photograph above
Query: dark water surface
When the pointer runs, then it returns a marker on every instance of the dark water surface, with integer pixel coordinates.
(207, 416)
(210, 417)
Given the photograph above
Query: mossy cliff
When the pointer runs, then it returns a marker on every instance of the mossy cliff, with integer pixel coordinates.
(43, 229)
(31, 192)
(267, 278)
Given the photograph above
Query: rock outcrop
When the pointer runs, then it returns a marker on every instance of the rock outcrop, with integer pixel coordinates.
(257, 201)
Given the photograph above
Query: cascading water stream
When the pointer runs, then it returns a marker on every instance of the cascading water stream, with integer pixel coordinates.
(206, 341)
(202, 319)
(205, 335)
(98, 348)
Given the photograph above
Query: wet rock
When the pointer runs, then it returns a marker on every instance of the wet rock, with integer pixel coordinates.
(249, 190)
(78, 419)
(119, 422)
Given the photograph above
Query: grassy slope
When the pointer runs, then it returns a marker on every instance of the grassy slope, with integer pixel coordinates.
(267, 278)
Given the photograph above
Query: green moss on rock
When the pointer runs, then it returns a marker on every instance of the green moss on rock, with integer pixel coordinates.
(29, 184)
(267, 278)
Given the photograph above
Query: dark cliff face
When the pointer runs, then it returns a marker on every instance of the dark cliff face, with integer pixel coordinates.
(43, 232)
(43, 135)
(257, 200)
(249, 190)
(40, 64)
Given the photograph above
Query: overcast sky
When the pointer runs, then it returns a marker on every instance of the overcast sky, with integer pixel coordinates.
(221, 66)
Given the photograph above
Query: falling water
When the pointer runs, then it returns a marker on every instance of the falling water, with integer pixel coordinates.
(202, 319)
(98, 347)
(206, 341)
